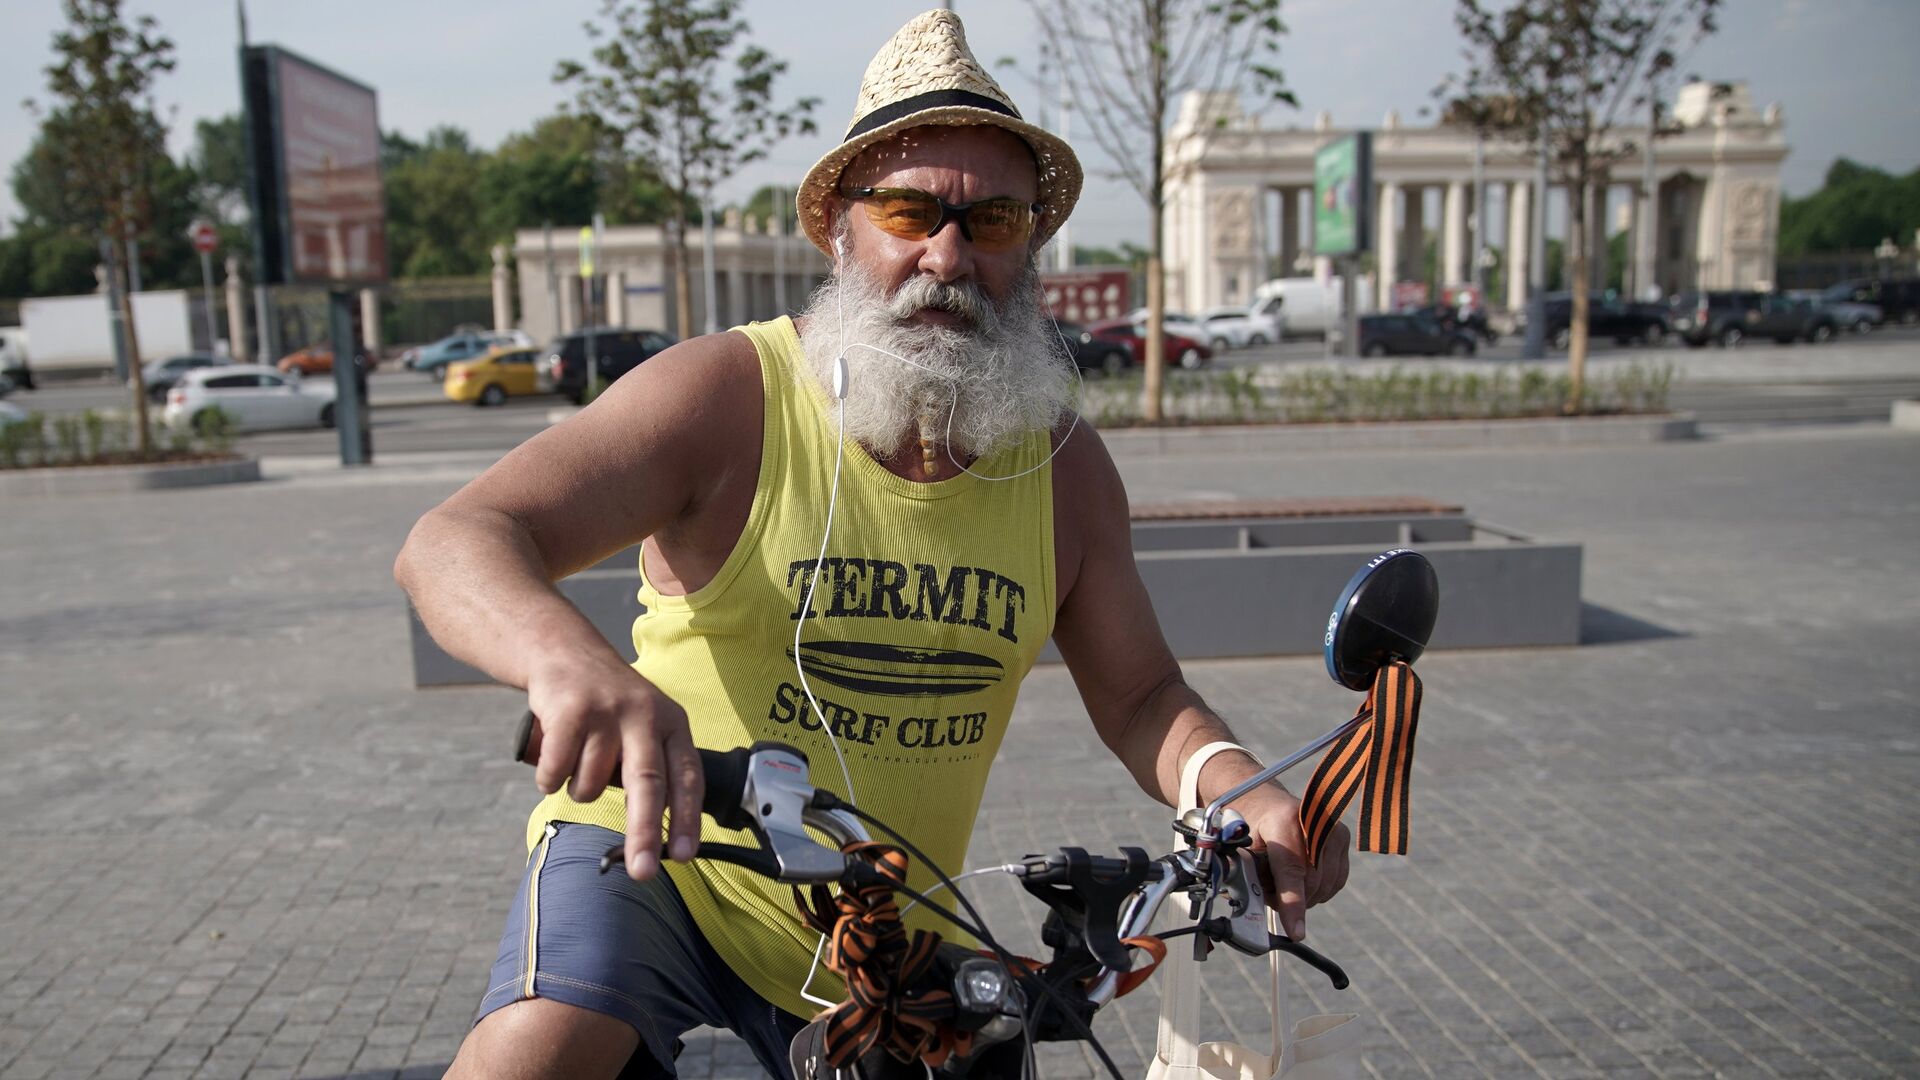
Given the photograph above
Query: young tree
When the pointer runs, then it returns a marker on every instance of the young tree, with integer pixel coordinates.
(656, 85)
(433, 205)
(1569, 72)
(1126, 62)
(104, 134)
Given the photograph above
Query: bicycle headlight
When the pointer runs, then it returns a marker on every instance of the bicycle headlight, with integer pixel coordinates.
(980, 986)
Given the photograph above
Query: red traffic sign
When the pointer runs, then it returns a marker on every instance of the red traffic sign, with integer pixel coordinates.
(203, 235)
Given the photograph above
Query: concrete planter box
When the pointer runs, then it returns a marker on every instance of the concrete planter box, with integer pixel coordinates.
(1264, 587)
(1239, 586)
(1401, 435)
(120, 479)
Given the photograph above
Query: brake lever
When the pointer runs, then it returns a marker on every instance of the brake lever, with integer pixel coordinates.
(1313, 959)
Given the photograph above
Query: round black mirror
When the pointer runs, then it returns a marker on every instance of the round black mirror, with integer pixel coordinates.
(1385, 613)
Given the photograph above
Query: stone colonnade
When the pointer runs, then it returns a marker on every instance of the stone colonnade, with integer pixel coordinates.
(1239, 203)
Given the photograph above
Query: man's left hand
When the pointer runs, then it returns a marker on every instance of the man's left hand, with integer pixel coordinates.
(1280, 850)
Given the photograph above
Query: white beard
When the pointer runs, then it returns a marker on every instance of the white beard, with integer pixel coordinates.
(977, 389)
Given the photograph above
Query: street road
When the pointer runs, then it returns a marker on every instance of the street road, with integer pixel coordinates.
(241, 844)
(1855, 380)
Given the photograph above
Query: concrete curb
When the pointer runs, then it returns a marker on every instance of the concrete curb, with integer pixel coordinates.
(1395, 435)
(1403, 435)
(121, 479)
(1906, 414)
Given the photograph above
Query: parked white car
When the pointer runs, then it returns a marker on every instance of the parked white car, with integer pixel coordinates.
(254, 395)
(1177, 322)
(1238, 327)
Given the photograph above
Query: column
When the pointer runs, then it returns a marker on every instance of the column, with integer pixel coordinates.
(370, 321)
(1289, 231)
(616, 298)
(502, 290)
(1453, 253)
(1597, 235)
(1387, 245)
(1519, 242)
(569, 304)
(736, 309)
(236, 313)
(1646, 242)
(1413, 246)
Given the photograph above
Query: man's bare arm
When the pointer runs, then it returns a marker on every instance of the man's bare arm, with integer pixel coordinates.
(1135, 693)
(480, 570)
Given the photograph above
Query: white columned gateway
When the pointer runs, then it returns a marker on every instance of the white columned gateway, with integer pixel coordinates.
(1711, 222)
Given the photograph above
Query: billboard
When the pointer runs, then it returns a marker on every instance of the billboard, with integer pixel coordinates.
(313, 148)
(1085, 296)
(1342, 199)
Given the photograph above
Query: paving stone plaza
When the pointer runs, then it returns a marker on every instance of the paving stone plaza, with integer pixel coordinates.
(239, 843)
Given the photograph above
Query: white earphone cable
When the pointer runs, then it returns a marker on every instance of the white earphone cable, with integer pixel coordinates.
(841, 379)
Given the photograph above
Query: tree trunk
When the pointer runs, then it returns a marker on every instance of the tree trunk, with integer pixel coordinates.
(1581, 283)
(137, 378)
(1150, 408)
(1151, 404)
(682, 281)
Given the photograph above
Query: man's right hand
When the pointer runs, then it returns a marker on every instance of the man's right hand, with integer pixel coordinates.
(594, 713)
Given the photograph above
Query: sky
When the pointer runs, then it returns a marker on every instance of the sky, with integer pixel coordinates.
(1843, 70)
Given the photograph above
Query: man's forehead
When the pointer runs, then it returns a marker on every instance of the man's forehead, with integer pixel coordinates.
(996, 156)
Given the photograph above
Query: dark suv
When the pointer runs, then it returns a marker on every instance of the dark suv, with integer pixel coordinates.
(618, 349)
(1623, 321)
(1730, 318)
(1898, 300)
(1397, 335)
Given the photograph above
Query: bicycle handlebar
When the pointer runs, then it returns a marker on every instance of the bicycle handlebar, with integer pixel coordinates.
(764, 790)
(725, 772)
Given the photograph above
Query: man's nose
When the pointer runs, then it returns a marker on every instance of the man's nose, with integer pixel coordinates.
(947, 255)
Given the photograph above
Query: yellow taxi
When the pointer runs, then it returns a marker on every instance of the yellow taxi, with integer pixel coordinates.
(491, 378)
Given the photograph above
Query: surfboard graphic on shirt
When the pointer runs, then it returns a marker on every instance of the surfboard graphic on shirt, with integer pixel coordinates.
(877, 668)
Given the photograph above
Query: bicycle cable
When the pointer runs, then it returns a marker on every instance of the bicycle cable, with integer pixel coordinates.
(1003, 868)
(1006, 959)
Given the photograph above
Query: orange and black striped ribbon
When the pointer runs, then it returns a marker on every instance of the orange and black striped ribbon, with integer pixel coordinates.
(1375, 760)
(888, 1004)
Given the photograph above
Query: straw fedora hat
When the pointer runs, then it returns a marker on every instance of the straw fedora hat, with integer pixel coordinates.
(926, 75)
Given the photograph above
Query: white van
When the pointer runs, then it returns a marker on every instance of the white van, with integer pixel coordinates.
(1307, 307)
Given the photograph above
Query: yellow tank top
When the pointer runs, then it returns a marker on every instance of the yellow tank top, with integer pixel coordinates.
(932, 604)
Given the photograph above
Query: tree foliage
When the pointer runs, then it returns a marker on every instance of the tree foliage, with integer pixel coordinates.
(103, 130)
(1857, 208)
(1569, 72)
(659, 85)
(1126, 63)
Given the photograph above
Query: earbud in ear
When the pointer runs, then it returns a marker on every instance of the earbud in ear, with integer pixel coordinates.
(840, 247)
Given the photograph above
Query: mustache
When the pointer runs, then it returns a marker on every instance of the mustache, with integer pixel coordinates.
(965, 299)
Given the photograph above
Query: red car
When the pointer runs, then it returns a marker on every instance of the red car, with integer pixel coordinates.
(1185, 352)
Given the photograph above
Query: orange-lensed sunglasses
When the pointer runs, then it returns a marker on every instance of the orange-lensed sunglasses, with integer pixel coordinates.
(994, 225)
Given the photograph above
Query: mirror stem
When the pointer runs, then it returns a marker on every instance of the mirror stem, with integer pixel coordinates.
(1211, 825)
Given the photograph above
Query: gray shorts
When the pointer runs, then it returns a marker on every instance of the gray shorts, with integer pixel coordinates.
(627, 949)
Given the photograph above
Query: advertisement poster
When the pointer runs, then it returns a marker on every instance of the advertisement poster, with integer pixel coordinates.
(335, 211)
(1342, 182)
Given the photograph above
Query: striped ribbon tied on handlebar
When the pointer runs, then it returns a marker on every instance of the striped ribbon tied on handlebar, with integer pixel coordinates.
(888, 1004)
(1374, 759)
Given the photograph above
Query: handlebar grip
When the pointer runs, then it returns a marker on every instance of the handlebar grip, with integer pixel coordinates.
(726, 774)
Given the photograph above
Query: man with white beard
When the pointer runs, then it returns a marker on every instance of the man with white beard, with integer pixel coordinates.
(867, 578)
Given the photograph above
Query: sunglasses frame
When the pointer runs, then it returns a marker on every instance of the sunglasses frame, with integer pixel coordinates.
(956, 213)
